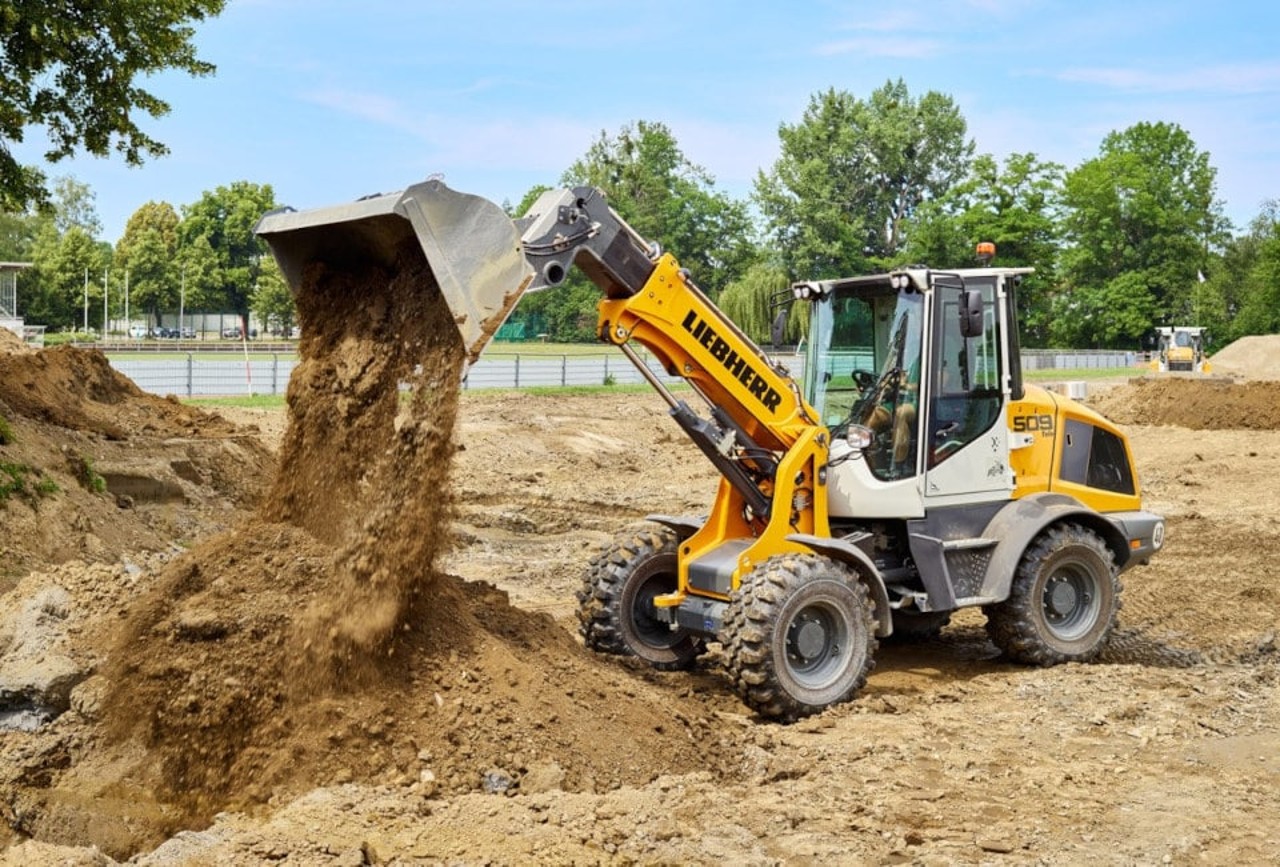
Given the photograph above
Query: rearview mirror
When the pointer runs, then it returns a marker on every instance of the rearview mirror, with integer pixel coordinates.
(778, 331)
(970, 313)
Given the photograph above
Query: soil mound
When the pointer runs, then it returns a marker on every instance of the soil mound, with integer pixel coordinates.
(1199, 404)
(91, 466)
(317, 643)
(1253, 357)
(77, 389)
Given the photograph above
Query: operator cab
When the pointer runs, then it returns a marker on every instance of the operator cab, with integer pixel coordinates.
(910, 367)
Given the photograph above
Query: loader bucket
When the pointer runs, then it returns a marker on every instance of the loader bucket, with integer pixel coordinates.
(471, 245)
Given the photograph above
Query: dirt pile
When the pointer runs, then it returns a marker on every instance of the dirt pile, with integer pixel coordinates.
(318, 644)
(1198, 404)
(1253, 357)
(91, 466)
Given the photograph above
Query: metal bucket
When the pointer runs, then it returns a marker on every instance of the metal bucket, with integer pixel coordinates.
(471, 245)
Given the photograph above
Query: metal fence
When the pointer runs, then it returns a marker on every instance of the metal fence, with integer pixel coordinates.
(191, 375)
(1075, 359)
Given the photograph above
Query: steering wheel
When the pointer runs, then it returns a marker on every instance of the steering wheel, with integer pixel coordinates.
(863, 379)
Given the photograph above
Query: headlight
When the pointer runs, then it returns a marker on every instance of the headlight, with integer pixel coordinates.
(857, 436)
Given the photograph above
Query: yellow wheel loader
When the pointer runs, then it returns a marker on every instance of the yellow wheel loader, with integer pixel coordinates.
(1180, 348)
(910, 473)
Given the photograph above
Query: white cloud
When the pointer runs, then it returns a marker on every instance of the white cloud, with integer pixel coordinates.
(864, 46)
(1236, 78)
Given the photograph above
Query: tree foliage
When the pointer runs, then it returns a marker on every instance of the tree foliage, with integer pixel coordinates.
(749, 301)
(852, 174)
(272, 300)
(1242, 295)
(147, 253)
(224, 220)
(666, 199)
(1142, 217)
(73, 67)
(1015, 205)
(67, 265)
(61, 243)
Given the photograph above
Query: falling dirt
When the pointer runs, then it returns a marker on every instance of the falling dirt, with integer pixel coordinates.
(478, 730)
(318, 643)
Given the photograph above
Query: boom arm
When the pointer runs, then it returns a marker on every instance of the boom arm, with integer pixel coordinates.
(757, 412)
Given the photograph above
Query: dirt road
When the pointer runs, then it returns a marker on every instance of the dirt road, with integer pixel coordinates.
(519, 746)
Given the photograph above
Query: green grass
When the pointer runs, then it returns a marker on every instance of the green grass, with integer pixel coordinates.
(1069, 373)
(277, 401)
(81, 467)
(26, 482)
(552, 349)
(257, 401)
(6, 432)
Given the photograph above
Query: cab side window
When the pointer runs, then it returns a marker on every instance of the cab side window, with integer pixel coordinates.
(966, 396)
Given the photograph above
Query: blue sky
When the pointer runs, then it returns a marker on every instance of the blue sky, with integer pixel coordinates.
(328, 101)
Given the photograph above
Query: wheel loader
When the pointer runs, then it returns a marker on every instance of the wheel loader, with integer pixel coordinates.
(908, 474)
(1180, 348)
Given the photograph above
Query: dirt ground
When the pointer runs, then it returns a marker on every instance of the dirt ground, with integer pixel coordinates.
(483, 733)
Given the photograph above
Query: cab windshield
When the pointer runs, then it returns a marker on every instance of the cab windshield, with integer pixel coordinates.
(866, 339)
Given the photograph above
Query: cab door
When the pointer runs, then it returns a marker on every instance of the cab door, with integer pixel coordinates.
(966, 438)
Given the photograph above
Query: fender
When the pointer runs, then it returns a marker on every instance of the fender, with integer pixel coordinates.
(838, 549)
(684, 527)
(1019, 522)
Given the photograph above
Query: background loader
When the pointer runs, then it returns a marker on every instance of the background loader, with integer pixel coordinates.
(910, 474)
(1180, 348)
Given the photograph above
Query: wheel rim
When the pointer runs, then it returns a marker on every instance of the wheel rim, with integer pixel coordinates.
(650, 630)
(818, 638)
(1070, 601)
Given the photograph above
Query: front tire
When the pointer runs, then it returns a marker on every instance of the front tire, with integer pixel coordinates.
(799, 636)
(615, 604)
(1064, 600)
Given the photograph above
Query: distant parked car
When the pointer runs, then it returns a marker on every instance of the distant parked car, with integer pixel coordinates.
(231, 334)
(187, 334)
(137, 332)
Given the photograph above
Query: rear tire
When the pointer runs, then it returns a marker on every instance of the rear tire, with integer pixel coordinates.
(1063, 603)
(799, 636)
(615, 604)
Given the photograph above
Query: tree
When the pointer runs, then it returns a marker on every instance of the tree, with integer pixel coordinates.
(272, 300)
(749, 302)
(17, 235)
(64, 262)
(1243, 296)
(224, 219)
(72, 67)
(852, 174)
(1145, 209)
(1115, 314)
(666, 199)
(62, 246)
(75, 206)
(147, 253)
(1018, 207)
